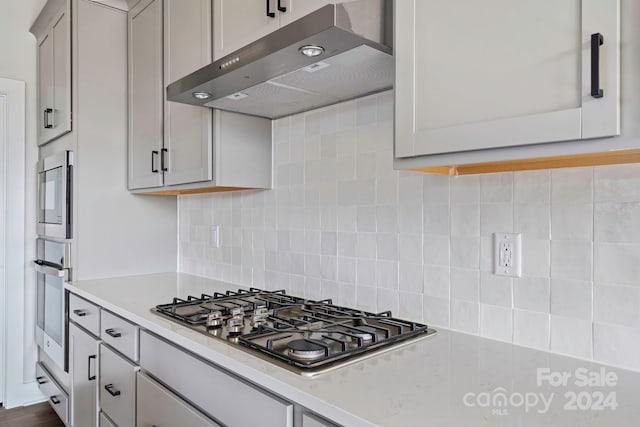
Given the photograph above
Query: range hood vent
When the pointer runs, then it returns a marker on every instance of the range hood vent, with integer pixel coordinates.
(272, 77)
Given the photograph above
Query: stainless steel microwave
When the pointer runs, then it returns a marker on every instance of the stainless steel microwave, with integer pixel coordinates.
(55, 175)
(53, 269)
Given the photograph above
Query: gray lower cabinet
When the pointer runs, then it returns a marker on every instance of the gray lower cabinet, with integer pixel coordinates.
(158, 407)
(117, 390)
(222, 396)
(83, 361)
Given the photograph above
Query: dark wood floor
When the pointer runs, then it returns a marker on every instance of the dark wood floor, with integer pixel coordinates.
(40, 415)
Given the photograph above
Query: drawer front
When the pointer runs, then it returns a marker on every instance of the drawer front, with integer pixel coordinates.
(119, 334)
(219, 394)
(105, 422)
(85, 314)
(117, 387)
(58, 399)
(158, 407)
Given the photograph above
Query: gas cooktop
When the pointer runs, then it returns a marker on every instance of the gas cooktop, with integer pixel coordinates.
(307, 337)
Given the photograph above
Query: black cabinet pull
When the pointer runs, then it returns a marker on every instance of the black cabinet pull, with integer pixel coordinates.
(47, 111)
(89, 376)
(597, 40)
(54, 400)
(163, 167)
(281, 8)
(80, 313)
(41, 380)
(154, 153)
(112, 390)
(269, 13)
(112, 332)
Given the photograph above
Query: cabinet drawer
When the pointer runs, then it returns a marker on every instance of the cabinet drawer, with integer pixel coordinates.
(117, 387)
(119, 334)
(58, 399)
(219, 394)
(105, 422)
(85, 314)
(157, 406)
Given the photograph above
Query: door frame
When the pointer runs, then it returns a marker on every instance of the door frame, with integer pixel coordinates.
(16, 390)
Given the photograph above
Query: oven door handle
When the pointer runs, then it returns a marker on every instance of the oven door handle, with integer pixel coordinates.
(46, 268)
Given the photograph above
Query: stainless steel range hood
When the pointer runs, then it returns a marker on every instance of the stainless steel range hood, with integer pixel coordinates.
(272, 77)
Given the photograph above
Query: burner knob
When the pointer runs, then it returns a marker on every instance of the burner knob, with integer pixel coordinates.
(237, 312)
(235, 325)
(214, 319)
(261, 311)
(258, 320)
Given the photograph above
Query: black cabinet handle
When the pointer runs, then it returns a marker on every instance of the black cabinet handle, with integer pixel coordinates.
(41, 380)
(47, 111)
(597, 40)
(80, 313)
(281, 8)
(112, 390)
(154, 169)
(89, 376)
(269, 13)
(112, 332)
(54, 400)
(163, 167)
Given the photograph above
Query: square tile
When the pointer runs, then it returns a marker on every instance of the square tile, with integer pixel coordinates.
(496, 188)
(465, 220)
(387, 246)
(411, 277)
(465, 316)
(617, 183)
(465, 252)
(436, 219)
(436, 249)
(436, 281)
(496, 322)
(465, 284)
(465, 189)
(435, 311)
(531, 329)
(572, 185)
(571, 336)
(496, 218)
(435, 189)
(617, 305)
(617, 263)
(536, 255)
(532, 186)
(532, 293)
(571, 259)
(572, 221)
(617, 222)
(410, 248)
(570, 298)
(496, 290)
(533, 220)
(616, 345)
(410, 306)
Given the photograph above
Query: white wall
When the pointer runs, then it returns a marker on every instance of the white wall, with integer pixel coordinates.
(18, 61)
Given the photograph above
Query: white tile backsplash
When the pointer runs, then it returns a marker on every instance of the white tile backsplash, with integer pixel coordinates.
(340, 223)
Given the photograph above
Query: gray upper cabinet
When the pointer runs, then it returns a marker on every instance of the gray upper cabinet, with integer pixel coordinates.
(238, 23)
(145, 95)
(480, 75)
(177, 148)
(187, 129)
(53, 33)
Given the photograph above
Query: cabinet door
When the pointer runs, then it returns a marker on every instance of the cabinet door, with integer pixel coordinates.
(45, 87)
(238, 23)
(61, 75)
(475, 75)
(187, 128)
(117, 390)
(145, 94)
(157, 406)
(297, 9)
(83, 351)
(54, 80)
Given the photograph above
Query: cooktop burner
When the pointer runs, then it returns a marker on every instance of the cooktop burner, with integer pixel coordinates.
(308, 337)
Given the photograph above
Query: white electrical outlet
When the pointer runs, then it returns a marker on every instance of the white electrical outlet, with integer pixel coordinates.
(507, 254)
(215, 236)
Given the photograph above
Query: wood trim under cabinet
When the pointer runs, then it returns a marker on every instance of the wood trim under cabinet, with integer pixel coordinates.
(196, 191)
(569, 161)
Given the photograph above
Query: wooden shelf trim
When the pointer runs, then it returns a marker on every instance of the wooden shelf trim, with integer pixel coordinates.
(570, 161)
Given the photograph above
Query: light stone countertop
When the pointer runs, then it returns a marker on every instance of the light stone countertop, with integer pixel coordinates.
(450, 379)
